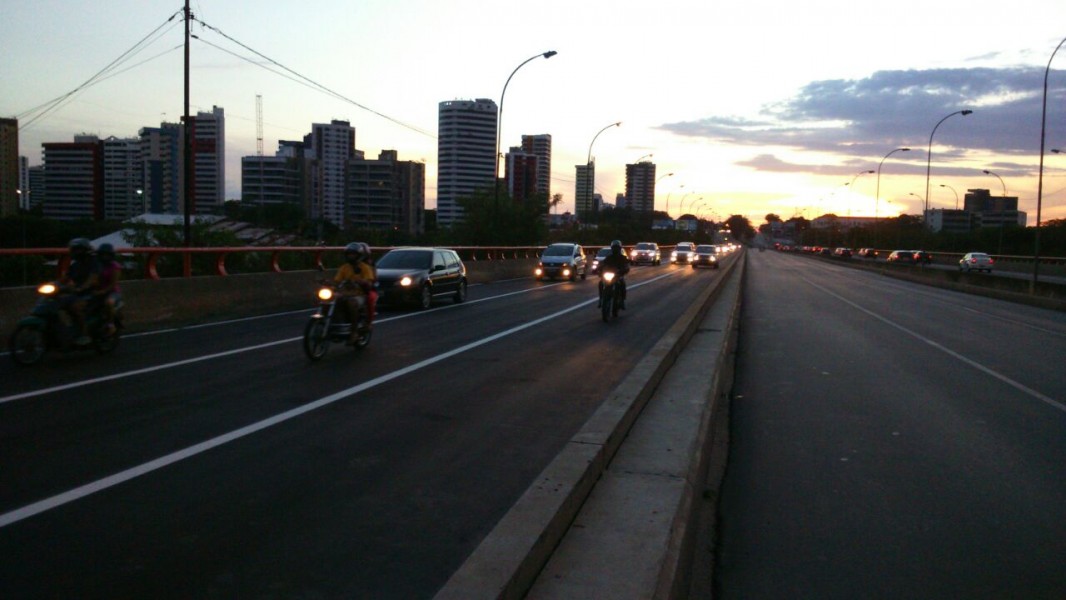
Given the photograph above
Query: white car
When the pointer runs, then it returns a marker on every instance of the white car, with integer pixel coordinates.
(683, 253)
(976, 261)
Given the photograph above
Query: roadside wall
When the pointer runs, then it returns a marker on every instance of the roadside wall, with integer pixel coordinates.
(184, 301)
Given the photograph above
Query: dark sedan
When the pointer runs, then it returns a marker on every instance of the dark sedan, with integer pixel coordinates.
(706, 256)
(415, 276)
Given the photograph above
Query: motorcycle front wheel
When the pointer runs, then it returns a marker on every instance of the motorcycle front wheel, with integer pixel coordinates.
(316, 339)
(606, 302)
(27, 344)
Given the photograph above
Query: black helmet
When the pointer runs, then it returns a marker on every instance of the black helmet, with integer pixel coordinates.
(106, 251)
(80, 246)
(354, 251)
(616, 247)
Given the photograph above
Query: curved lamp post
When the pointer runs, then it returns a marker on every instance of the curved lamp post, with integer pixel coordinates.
(852, 188)
(1040, 179)
(1001, 223)
(929, 156)
(661, 177)
(499, 121)
(877, 196)
(682, 186)
(954, 192)
(681, 205)
(588, 164)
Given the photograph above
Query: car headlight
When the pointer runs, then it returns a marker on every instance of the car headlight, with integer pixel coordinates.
(406, 281)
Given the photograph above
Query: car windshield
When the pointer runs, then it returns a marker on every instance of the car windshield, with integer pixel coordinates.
(643, 246)
(406, 259)
(559, 250)
(684, 247)
(603, 252)
(705, 249)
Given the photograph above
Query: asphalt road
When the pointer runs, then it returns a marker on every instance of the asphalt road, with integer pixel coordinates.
(890, 440)
(217, 462)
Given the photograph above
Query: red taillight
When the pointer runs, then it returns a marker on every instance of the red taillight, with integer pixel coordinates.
(990, 261)
(973, 261)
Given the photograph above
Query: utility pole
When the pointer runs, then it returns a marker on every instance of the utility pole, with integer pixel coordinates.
(188, 129)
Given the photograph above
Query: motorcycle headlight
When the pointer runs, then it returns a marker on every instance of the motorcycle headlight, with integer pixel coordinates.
(406, 281)
(325, 294)
(538, 271)
(566, 272)
(608, 277)
(46, 289)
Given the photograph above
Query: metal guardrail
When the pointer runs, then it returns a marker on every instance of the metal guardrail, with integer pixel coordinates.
(153, 255)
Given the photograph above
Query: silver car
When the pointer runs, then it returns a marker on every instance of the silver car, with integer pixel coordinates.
(976, 261)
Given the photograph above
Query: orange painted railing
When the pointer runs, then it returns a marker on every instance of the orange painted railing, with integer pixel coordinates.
(220, 254)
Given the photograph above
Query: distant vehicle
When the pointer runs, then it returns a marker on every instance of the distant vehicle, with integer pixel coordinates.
(415, 276)
(902, 257)
(867, 253)
(600, 255)
(683, 253)
(706, 256)
(646, 253)
(825, 252)
(976, 261)
(842, 252)
(923, 257)
(563, 260)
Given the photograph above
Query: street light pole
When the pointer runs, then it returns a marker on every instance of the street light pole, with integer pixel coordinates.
(661, 177)
(499, 124)
(852, 188)
(590, 181)
(1001, 223)
(929, 156)
(877, 198)
(954, 192)
(680, 187)
(1040, 179)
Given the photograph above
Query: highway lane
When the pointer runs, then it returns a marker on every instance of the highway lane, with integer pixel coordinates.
(368, 476)
(892, 440)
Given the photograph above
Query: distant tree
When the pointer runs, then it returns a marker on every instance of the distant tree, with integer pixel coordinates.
(772, 218)
(741, 227)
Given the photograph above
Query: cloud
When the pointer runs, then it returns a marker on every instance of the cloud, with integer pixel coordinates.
(890, 109)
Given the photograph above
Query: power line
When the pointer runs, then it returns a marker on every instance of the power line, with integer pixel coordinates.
(310, 81)
(54, 104)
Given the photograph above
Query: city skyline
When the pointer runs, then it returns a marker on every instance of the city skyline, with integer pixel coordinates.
(766, 107)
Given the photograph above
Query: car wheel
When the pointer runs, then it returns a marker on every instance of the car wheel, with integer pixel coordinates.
(425, 298)
(460, 293)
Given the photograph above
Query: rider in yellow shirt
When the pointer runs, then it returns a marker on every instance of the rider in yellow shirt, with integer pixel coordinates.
(355, 281)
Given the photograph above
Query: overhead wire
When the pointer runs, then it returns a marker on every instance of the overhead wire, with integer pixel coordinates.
(47, 108)
(310, 82)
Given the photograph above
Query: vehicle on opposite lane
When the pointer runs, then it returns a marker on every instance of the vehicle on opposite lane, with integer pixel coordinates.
(976, 261)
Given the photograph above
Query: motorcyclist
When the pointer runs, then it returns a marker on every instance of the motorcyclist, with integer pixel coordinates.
(372, 294)
(618, 263)
(355, 280)
(107, 295)
(78, 284)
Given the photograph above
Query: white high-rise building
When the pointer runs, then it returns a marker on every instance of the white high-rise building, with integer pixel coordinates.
(122, 178)
(466, 154)
(209, 151)
(541, 147)
(332, 145)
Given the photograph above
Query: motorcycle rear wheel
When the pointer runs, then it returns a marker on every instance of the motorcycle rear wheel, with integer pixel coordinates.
(365, 334)
(27, 345)
(316, 339)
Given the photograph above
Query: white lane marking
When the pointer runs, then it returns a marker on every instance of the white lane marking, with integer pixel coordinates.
(99, 485)
(1007, 380)
(152, 369)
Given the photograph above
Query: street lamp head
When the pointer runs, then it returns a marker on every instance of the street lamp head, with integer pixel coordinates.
(966, 112)
(904, 149)
(987, 172)
(549, 54)
(1056, 150)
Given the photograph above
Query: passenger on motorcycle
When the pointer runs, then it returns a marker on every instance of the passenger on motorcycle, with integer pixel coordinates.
(107, 295)
(372, 295)
(355, 280)
(617, 262)
(78, 284)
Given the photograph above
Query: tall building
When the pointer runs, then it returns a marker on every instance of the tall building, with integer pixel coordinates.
(522, 173)
(466, 154)
(332, 145)
(209, 158)
(386, 193)
(993, 211)
(584, 202)
(285, 178)
(540, 146)
(9, 167)
(162, 157)
(640, 187)
(74, 178)
(24, 183)
(123, 179)
(36, 185)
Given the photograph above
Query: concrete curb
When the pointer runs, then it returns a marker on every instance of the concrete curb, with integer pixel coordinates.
(508, 560)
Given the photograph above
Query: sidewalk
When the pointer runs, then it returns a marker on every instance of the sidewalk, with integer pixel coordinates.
(612, 515)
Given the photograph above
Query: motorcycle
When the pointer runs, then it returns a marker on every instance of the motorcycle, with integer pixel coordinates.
(610, 295)
(47, 327)
(329, 324)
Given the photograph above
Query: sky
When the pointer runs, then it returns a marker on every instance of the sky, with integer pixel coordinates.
(755, 107)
